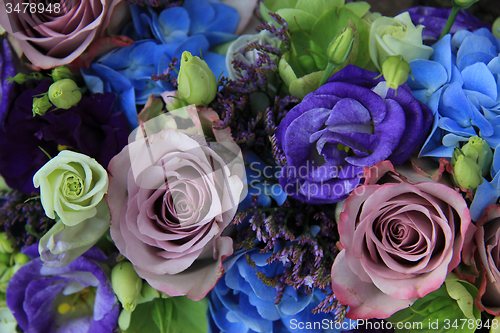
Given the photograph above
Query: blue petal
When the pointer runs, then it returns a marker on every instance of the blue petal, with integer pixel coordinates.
(455, 105)
(194, 45)
(451, 126)
(475, 49)
(495, 166)
(291, 305)
(486, 194)
(226, 19)
(442, 54)
(428, 75)
(173, 25)
(92, 81)
(201, 13)
(478, 77)
(216, 62)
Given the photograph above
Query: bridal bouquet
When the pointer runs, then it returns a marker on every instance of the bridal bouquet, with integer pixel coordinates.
(248, 166)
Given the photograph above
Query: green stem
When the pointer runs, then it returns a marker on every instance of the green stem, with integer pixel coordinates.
(451, 20)
(327, 73)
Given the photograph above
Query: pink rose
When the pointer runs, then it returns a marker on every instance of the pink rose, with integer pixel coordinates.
(171, 197)
(486, 239)
(400, 238)
(56, 35)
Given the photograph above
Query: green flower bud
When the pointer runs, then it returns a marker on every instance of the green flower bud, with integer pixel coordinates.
(463, 4)
(20, 259)
(466, 171)
(197, 83)
(126, 284)
(479, 151)
(341, 46)
(6, 276)
(62, 72)
(395, 70)
(64, 93)
(7, 245)
(19, 78)
(5, 258)
(496, 28)
(41, 105)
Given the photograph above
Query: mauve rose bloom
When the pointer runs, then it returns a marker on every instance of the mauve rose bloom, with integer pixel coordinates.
(400, 238)
(350, 122)
(50, 39)
(486, 239)
(170, 199)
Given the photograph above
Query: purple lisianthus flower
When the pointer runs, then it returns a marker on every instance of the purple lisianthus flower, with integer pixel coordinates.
(89, 127)
(7, 90)
(434, 20)
(74, 298)
(351, 122)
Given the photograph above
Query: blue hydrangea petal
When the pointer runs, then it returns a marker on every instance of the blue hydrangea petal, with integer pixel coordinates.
(194, 45)
(475, 49)
(92, 81)
(455, 105)
(201, 13)
(427, 74)
(453, 140)
(478, 78)
(173, 25)
(226, 19)
(291, 304)
(495, 166)
(266, 309)
(451, 126)
(251, 317)
(216, 62)
(442, 54)
(486, 194)
(494, 65)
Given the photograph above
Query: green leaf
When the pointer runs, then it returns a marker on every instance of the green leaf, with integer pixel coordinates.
(189, 316)
(306, 84)
(162, 314)
(297, 19)
(286, 71)
(464, 299)
(274, 5)
(358, 8)
(141, 320)
(318, 7)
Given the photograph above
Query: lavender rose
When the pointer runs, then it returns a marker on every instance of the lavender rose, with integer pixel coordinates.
(56, 35)
(400, 237)
(171, 197)
(487, 239)
(351, 122)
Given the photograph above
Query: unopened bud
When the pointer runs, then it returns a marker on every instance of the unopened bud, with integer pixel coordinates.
(395, 70)
(41, 105)
(62, 72)
(197, 83)
(126, 284)
(479, 151)
(340, 47)
(463, 4)
(466, 172)
(64, 93)
(7, 245)
(19, 78)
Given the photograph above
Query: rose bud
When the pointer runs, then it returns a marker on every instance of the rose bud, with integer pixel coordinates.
(463, 4)
(126, 284)
(479, 150)
(64, 94)
(197, 83)
(6, 244)
(340, 48)
(466, 171)
(61, 73)
(395, 70)
(41, 105)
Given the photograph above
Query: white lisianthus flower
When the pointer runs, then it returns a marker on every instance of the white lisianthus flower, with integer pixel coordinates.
(71, 185)
(72, 189)
(398, 35)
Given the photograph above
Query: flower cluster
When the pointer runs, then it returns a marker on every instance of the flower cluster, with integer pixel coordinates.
(248, 166)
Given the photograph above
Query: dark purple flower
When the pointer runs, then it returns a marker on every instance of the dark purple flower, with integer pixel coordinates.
(434, 20)
(351, 122)
(90, 128)
(74, 298)
(6, 69)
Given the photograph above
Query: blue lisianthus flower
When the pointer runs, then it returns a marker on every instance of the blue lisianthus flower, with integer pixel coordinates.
(74, 298)
(89, 127)
(460, 85)
(351, 122)
(261, 181)
(241, 302)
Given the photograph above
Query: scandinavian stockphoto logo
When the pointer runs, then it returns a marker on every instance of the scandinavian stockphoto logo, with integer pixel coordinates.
(171, 153)
(26, 14)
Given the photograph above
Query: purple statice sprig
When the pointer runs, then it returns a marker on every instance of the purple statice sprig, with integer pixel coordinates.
(282, 32)
(22, 217)
(306, 237)
(166, 76)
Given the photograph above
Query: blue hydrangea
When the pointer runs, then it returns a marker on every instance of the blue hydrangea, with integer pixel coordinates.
(261, 181)
(460, 83)
(241, 302)
(197, 27)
